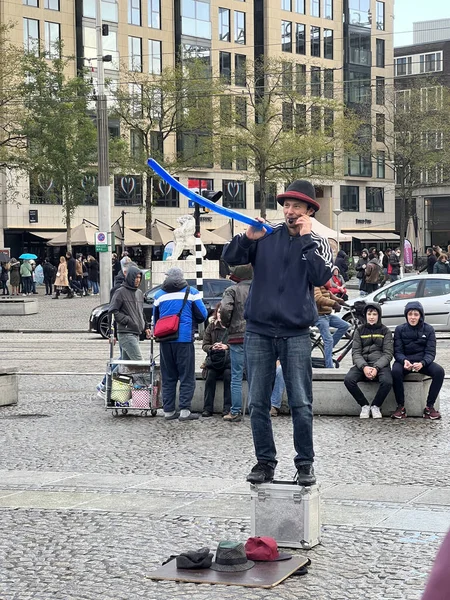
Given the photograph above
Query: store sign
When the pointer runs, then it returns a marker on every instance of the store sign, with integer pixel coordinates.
(33, 216)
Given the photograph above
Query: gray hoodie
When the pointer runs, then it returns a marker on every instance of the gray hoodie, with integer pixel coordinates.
(127, 305)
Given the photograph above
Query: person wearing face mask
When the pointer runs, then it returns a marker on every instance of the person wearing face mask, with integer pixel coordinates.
(287, 264)
(394, 265)
(415, 352)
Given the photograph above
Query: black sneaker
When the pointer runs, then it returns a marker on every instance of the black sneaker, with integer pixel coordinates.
(207, 414)
(261, 473)
(305, 474)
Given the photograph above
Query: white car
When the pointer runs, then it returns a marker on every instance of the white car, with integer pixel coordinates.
(432, 291)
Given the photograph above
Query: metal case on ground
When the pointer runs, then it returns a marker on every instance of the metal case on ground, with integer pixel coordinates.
(287, 512)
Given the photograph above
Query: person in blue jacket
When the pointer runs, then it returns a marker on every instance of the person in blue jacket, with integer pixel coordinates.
(177, 357)
(414, 352)
(280, 308)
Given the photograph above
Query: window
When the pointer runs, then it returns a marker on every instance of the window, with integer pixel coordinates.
(359, 13)
(154, 14)
(31, 35)
(380, 53)
(127, 190)
(287, 116)
(315, 41)
(359, 47)
(31, 3)
(134, 53)
(300, 79)
(403, 65)
(226, 152)
(197, 149)
(240, 68)
(358, 165)
(300, 41)
(234, 193)
(328, 9)
(432, 175)
(435, 287)
(316, 118)
(196, 18)
(239, 27)
(299, 6)
(402, 100)
(136, 143)
(315, 8)
(286, 76)
(316, 86)
(286, 36)
(380, 90)
(381, 164)
(432, 140)
(328, 121)
(135, 101)
(406, 290)
(241, 111)
(134, 12)
(380, 127)
(328, 85)
(328, 43)
(301, 126)
(52, 38)
(430, 63)
(154, 57)
(350, 198)
(380, 15)
(286, 4)
(358, 88)
(225, 66)
(431, 98)
(51, 4)
(197, 185)
(224, 25)
(43, 190)
(271, 195)
(165, 195)
(375, 199)
(225, 110)
(109, 10)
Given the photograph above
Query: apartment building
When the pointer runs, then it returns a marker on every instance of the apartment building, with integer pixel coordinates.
(343, 47)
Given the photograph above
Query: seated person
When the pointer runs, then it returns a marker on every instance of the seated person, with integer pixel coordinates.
(217, 364)
(277, 392)
(414, 352)
(372, 353)
(337, 284)
(326, 302)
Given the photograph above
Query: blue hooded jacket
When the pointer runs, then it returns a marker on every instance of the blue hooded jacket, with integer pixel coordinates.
(416, 344)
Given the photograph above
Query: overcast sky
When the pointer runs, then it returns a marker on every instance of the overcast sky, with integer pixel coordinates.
(406, 12)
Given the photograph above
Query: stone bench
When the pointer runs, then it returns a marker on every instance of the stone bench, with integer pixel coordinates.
(18, 306)
(331, 397)
(9, 387)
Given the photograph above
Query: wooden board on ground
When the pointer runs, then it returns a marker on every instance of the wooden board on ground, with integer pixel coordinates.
(262, 575)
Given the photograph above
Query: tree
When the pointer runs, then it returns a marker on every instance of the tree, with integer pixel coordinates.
(276, 132)
(61, 135)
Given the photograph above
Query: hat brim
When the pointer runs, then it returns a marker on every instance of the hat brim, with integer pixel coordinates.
(281, 556)
(298, 196)
(232, 568)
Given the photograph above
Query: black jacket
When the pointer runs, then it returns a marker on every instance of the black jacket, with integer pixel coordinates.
(341, 263)
(416, 344)
(431, 260)
(93, 269)
(395, 264)
(372, 345)
(49, 272)
(285, 270)
(72, 268)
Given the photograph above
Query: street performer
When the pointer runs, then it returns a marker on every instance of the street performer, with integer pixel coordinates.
(287, 264)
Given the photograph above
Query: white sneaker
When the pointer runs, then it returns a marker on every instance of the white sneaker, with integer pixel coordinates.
(376, 412)
(365, 412)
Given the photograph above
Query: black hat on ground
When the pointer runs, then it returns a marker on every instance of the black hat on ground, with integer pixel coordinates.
(231, 558)
(300, 189)
(195, 559)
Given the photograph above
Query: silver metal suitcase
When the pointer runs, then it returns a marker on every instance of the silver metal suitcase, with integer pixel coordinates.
(287, 512)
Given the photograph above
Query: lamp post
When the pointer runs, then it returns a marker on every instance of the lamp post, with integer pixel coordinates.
(337, 212)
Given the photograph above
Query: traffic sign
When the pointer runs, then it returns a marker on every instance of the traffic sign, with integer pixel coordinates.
(101, 241)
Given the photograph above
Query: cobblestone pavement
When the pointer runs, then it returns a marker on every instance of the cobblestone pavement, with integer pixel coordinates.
(91, 504)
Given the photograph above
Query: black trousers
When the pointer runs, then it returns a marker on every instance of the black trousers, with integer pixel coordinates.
(48, 287)
(210, 389)
(177, 361)
(356, 375)
(435, 371)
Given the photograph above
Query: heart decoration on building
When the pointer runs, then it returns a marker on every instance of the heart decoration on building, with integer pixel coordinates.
(127, 184)
(233, 188)
(45, 185)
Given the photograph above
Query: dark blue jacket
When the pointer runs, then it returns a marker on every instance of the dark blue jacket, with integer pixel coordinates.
(285, 270)
(416, 344)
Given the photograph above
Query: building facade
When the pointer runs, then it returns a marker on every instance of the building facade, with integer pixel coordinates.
(343, 47)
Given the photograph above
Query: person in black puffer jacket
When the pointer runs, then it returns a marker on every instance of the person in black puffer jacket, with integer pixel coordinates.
(372, 353)
(342, 263)
(415, 351)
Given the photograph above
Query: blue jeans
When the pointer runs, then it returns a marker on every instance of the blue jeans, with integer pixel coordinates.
(94, 286)
(278, 388)
(237, 372)
(294, 353)
(129, 346)
(324, 323)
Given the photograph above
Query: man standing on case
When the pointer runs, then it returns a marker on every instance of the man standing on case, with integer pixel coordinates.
(287, 264)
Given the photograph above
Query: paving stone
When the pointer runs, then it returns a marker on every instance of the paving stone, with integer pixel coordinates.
(422, 520)
(375, 492)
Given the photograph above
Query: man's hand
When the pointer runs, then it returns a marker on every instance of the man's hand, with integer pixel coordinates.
(407, 365)
(337, 307)
(368, 372)
(256, 234)
(417, 366)
(148, 333)
(220, 346)
(305, 224)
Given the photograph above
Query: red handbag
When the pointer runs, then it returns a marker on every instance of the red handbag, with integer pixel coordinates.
(166, 328)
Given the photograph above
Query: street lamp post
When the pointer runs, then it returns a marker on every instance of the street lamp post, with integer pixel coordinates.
(337, 212)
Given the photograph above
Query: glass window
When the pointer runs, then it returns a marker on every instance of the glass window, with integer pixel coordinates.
(315, 8)
(240, 70)
(315, 41)
(286, 36)
(359, 13)
(380, 90)
(328, 121)
(350, 198)
(234, 193)
(380, 127)
(51, 4)
(430, 63)
(359, 41)
(226, 152)
(224, 25)
(301, 125)
(375, 199)
(316, 118)
(52, 38)
(110, 10)
(406, 290)
(225, 66)
(380, 53)
(239, 27)
(381, 164)
(299, 6)
(403, 65)
(109, 46)
(286, 76)
(198, 185)
(300, 40)
(165, 195)
(31, 3)
(241, 111)
(134, 12)
(197, 149)
(196, 18)
(380, 15)
(328, 83)
(358, 88)
(134, 53)
(286, 4)
(127, 190)
(430, 98)
(436, 287)
(287, 116)
(328, 43)
(31, 36)
(154, 14)
(358, 165)
(135, 99)
(300, 79)
(225, 110)
(271, 195)
(316, 85)
(154, 57)
(136, 143)
(328, 9)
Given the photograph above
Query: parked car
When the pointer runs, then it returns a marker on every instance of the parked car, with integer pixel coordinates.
(213, 290)
(432, 291)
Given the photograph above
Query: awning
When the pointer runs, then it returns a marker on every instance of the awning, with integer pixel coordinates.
(45, 235)
(131, 237)
(371, 236)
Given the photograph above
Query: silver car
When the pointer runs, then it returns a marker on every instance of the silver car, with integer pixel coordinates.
(432, 291)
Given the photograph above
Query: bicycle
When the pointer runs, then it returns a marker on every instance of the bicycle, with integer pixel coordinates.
(317, 347)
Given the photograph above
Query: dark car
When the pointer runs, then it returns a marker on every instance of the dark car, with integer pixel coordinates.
(213, 290)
